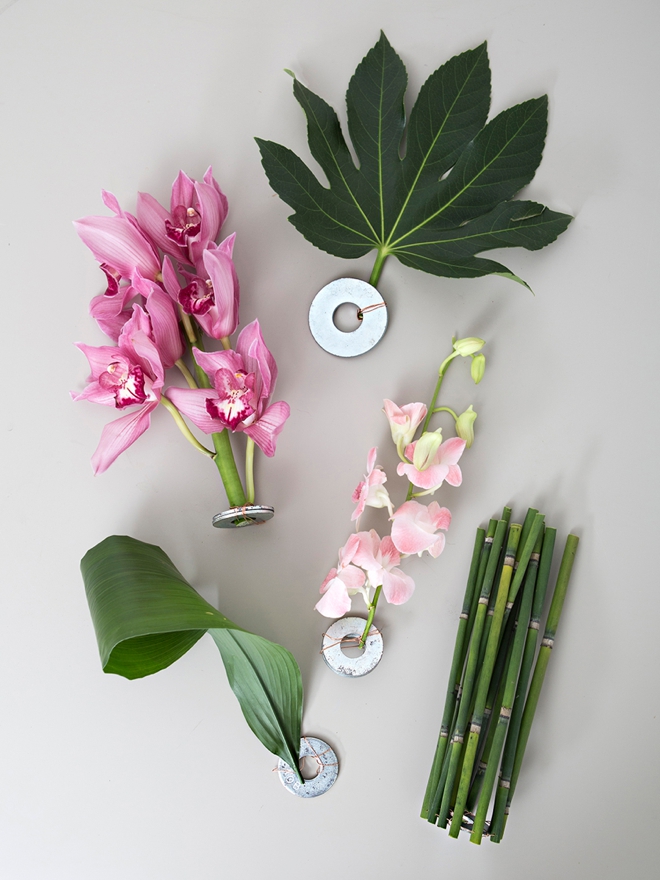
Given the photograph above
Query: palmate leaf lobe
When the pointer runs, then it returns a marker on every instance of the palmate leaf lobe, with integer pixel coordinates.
(449, 198)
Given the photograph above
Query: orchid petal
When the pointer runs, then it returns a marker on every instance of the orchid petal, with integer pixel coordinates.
(454, 475)
(117, 242)
(371, 459)
(335, 602)
(258, 359)
(451, 450)
(165, 326)
(436, 549)
(211, 181)
(398, 587)
(192, 403)
(212, 361)
(183, 191)
(119, 435)
(222, 273)
(440, 516)
(151, 216)
(266, 429)
(110, 312)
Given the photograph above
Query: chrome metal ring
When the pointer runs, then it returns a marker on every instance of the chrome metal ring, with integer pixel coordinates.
(351, 628)
(371, 309)
(239, 517)
(311, 747)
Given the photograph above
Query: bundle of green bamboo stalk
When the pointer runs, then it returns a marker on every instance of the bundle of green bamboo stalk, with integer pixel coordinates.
(490, 702)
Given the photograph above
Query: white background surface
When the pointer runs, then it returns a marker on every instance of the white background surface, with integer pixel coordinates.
(160, 778)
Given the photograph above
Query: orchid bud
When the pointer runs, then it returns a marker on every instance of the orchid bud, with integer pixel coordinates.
(469, 345)
(465, 426)
(426, 449)
(478, 368)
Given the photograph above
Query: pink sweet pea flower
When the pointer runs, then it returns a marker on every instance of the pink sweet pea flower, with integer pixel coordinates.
(380, 559)
(128, 374)
(243, 381)
(404, 421)
(119, 245)
(370, 492)
(197, 211)
(430, 471)
(414, 528)
(342, 582)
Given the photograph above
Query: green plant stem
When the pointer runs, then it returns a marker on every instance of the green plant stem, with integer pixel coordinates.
(187, 375)
(547, 644)
(455, 674)
(484, 679)
(191, 336)
(249, 470)
(185, 430)
(378, 267)
(446, 409)
(434, 802)
(511, 680)
(370, 617)
(503, 787)
(445, 796)
(226, 464)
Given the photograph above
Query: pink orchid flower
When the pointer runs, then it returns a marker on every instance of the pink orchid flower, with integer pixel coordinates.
(119, 245)
(370, 492)
(380, 559)
(414, 528)
(128, 374)
(214, 299)
(243, 381)
(342, 582)
(197, 211)
(431, 466)
(404, 421)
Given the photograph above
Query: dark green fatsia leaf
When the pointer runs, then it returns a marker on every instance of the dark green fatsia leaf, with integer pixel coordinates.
(442, 203)
(146, 616)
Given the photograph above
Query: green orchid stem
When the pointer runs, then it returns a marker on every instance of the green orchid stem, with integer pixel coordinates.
(185, 430)
(378, 267)
(370, 617)
(188, 327)
(187, 375)
(226, 464)
(446, 409)
(249, 470)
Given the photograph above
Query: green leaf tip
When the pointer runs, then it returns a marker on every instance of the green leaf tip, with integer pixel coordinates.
(449, 198)
(290, 72)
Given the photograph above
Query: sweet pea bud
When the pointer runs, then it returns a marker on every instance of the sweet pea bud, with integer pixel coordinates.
(469, 345)
(478, 368)
(465, 426)
(426, 448)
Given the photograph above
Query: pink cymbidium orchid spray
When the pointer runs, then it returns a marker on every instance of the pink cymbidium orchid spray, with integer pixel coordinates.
(369, 564)
(169, 284)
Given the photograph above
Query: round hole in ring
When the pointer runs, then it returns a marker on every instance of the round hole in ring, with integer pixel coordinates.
(309, 767)
(345, 317)
(350, 647)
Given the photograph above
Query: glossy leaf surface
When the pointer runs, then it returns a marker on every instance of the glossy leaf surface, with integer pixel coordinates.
(448, 198)
(146, 616)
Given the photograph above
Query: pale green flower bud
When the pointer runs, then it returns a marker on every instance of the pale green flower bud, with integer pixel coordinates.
(469, 345)
(426, 448)
(465, 426)
(478, 368)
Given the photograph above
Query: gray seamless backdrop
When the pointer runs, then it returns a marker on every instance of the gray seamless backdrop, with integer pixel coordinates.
(160, 778)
